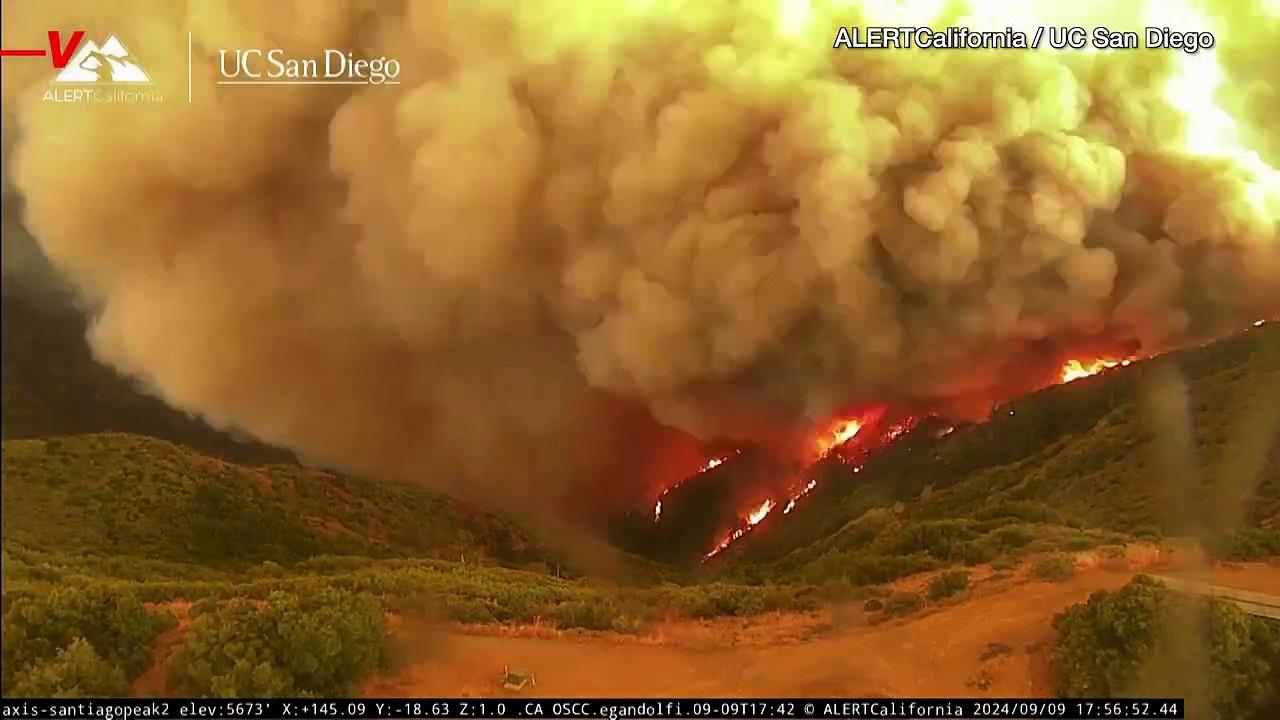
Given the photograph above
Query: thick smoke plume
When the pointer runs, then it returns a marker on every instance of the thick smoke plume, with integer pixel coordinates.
(580, 234)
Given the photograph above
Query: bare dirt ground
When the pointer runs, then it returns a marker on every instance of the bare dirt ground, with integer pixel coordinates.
(155, 681)
(994, 642)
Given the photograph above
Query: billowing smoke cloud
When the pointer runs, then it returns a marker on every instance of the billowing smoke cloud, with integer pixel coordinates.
(576, 229)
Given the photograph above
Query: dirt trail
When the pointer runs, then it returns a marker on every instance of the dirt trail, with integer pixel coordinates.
(155, 681)
(995, 643)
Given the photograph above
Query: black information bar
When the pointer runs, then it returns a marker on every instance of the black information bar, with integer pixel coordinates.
(521, 707)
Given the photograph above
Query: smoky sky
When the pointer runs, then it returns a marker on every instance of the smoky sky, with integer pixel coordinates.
(570, 239)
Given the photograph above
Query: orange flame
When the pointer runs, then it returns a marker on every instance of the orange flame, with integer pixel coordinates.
(753, 518)
(805, 491)
(1076, 369)
(840, 431)
(761, 512)
(825, 441)
(837, 434)
(711, 464)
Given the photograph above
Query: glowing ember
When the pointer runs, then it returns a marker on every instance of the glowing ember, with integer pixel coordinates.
(1076, 369)
(657, 510)
(1260, 323)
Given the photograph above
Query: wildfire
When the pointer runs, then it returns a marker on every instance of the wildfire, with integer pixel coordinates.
(1078, 369)
(760, 513)
(825, 442)
(711, 464)
(1211, 132)
(805, 491)
(753, 518)
(838, 434)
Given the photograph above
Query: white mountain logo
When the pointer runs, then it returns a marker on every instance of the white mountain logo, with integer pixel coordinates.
(108, 62)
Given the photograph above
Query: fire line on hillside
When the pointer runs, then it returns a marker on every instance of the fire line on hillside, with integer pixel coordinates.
(852, 439)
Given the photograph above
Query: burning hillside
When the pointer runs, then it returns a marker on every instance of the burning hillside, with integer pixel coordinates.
(852, 440)
(711, 512)
(581, 248)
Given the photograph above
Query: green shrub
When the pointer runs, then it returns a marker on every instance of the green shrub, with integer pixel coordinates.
(1105, 644)
(1245, 663)
(468, 610)
(1102, 642)
(629, 624)
(1249, 544)
(776, 597)
(1113, 552)
(202, 606)
(867, 569)
(1024, 511)
(901, 604)
(1054, 568)
(1148, 533)
(1012, 537)
(1079, 542)
(115, 624)
(587, 614)
(716, 600)
(976, 553)
(939, 539)
(75, 671)
(319, 643)
(948, 583)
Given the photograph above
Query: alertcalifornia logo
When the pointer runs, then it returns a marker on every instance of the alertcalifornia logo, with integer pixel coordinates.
(100, 73)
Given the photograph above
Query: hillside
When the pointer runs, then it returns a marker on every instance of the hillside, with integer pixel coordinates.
(226, 544)
(1071, 465)
(129, 495)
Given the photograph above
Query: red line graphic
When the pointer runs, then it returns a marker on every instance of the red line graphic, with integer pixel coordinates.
(23, 53)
